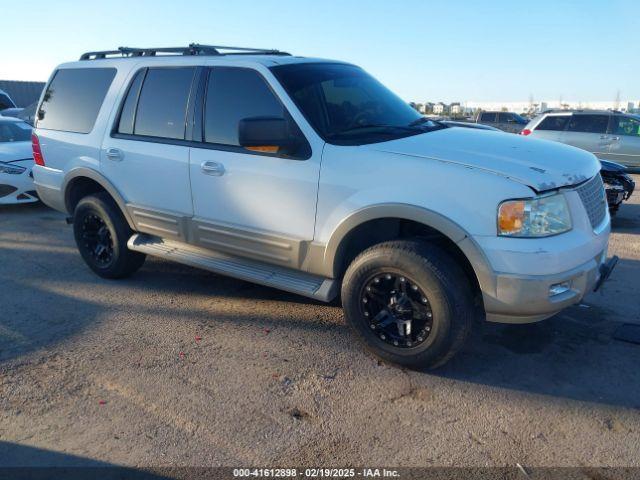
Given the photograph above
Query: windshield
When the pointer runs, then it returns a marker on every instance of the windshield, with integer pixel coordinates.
(5, 101)
(347, 106)
(14, 132)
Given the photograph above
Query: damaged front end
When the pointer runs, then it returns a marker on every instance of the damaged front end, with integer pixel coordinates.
(619, 186)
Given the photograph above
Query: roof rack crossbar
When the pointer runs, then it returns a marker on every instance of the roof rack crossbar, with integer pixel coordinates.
(192, 49)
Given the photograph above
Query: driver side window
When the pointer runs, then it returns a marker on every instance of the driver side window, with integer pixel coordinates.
(232, 95)
(626, 126)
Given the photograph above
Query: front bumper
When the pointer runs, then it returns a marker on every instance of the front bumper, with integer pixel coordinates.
(527, 298)
(18, 188)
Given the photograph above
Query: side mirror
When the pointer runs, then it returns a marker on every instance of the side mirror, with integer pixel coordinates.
(267, 134)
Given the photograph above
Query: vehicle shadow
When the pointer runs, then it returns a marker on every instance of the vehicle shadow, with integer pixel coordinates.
(46, 299)
(35, 313)
(25, 462)
(572, 355)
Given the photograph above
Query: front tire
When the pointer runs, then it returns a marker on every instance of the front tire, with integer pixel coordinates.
(409, 302)
(101, 233)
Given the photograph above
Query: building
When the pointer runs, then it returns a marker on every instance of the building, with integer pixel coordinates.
(440, 108)
(23, 94)
(456, 109)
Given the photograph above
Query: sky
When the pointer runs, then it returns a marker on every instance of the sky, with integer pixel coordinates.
(459, 50)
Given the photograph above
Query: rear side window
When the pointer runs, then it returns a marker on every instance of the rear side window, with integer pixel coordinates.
(234, 94)
(504, 117)
(554, 122)
(162, 103)
(588, 123)
(73, 99)
(487, 117)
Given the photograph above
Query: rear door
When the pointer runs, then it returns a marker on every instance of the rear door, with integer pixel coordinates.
(624, 145)
(588, 131)
(146, 156)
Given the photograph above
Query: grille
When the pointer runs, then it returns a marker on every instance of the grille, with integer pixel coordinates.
(594, 200)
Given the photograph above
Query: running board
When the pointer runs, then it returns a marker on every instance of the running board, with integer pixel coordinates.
(294, 281)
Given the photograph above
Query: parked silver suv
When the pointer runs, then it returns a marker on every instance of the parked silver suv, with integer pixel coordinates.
(609, 135)
(310, 176)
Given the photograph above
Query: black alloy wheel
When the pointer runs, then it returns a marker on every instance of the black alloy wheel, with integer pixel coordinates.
(397, 309)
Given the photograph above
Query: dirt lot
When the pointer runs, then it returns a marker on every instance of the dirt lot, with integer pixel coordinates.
(177, 366)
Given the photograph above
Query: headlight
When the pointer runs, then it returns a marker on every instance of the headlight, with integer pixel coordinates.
(11, 169)
(537, 217)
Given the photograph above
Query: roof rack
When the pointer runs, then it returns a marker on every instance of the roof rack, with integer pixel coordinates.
(192, 49)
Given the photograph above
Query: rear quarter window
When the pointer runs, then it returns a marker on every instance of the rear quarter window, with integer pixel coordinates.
(73, 99)
(554, 122)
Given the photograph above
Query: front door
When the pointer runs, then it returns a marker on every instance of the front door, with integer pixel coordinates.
(625, 141)
(249, 203)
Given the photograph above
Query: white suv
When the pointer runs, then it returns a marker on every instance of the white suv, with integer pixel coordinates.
(310, 176)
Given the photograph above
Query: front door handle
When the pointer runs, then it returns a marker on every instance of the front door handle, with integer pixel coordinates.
(114, 154)
(212, 168)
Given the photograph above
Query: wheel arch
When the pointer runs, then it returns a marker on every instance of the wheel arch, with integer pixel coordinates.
(383, 222)
(82, 181)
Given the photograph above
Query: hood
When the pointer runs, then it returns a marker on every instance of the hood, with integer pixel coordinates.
(539, 164)
(608, 166)
(12, 151)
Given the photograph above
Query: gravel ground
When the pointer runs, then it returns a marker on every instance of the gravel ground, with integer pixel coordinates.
(177, 366)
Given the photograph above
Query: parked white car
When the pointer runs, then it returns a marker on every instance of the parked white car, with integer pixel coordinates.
(310, 176)
(16, 162)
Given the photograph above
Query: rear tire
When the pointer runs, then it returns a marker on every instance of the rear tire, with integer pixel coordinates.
(101, 233)
(409, 302)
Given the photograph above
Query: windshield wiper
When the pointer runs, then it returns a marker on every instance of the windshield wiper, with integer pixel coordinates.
(421, 120)
(373, 125)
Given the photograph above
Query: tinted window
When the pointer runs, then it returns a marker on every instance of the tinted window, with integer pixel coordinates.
(505, 117)
(488, 117)
(554, 122)
(162, 106)
(73, 99)
(626, 126)
(127, 116)
(589, 123)
(234, 94)
(347, 106)
(5, 102)
(14, 132)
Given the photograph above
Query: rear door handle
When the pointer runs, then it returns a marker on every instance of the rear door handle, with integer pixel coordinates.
(114, 154)
(212, 168)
